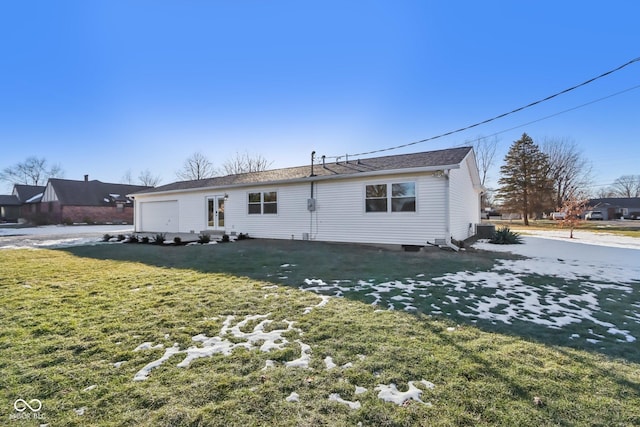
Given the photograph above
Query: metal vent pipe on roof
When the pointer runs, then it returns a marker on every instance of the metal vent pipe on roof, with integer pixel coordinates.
(313, 156)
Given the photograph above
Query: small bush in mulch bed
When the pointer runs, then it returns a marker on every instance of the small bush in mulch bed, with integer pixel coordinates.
(204, 238)
(106, 237)
(159, 238)
(504, 236)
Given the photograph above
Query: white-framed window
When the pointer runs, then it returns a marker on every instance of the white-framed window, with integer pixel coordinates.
(263, 202)
(390, 197)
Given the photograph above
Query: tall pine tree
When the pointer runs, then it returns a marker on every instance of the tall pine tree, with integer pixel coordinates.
(525, 186)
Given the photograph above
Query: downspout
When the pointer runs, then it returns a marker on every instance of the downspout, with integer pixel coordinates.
(311, 200)
(447, 211)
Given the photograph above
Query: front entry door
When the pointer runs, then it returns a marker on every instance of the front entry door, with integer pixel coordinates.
(215, 212)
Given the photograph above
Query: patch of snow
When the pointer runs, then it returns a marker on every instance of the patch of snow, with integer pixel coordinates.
(360, 390)
(335, 397)
(34, 198)
(268, 364)
(143, 373)
(303, 360)
(257, 338)
(118, 364)
(91, 387)
(293, 397)
(390, 393)
(148, 345)
(324, 300)
(328, 362)
(80, 411)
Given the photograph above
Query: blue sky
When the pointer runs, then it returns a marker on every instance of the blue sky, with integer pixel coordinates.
(102, 87)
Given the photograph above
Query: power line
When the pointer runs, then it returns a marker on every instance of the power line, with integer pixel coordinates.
(498, 116)
(563, 111)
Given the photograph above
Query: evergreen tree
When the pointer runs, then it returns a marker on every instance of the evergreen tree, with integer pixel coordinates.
(525, 186)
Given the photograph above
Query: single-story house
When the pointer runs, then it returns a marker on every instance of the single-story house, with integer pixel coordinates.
(407, 199)
(616, 207)
(71, 201)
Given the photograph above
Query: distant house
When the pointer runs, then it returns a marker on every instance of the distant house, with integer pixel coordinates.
(408, 199)
(29, 196)
(616, 207)
(9, 208)
(69, 201)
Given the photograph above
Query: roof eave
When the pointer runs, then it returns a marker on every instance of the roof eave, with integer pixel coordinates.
(314, 178)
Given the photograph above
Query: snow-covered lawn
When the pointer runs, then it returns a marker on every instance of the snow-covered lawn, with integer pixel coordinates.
(50, 236)
(563, 282)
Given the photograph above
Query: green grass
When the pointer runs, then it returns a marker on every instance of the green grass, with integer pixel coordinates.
(628, 228)
(68, 316)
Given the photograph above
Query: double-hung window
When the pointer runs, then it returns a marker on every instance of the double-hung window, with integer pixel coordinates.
(265, 202)
(392, 197)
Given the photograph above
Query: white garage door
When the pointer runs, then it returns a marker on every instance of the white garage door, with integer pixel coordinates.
(159, 216)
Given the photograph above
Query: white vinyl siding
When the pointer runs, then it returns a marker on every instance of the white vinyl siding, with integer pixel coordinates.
(465, 202)
(340, 213)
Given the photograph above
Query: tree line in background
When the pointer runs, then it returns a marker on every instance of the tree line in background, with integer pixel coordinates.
(37, 171)
(553, 177)
(533, 179)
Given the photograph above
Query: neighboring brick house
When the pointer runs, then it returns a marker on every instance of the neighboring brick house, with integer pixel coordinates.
(69, 201)
(29, 196)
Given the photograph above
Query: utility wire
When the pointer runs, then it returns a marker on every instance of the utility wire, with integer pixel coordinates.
(496, 117)
(560, 112)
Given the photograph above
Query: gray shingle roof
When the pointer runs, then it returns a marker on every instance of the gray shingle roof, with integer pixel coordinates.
(91, 193)
(452, 156)
(26, 192)
(621, 202)
(9, 200)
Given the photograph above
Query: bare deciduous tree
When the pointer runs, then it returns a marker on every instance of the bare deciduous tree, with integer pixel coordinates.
(485, 150)
(243, 163)
(33, 171)
(148, 179)
(626, 186)
(198, 166)
(127, 178)
(568, 169)
(604, 193)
